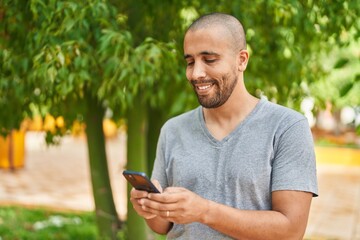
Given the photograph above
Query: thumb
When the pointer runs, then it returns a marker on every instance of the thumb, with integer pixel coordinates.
(157, 185)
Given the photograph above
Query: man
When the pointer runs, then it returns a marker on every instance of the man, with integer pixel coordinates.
(237, 166)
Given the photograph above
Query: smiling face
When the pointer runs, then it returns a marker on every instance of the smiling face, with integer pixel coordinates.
(212, 66)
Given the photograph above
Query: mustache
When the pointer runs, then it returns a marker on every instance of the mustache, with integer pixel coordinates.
(193, 82)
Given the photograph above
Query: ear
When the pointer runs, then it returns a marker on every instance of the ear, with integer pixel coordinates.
(243, 57)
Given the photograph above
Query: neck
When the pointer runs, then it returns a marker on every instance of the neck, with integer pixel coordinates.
(236, 108)
(224, 119)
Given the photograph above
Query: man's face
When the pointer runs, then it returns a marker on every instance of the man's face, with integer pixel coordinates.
(211, 65)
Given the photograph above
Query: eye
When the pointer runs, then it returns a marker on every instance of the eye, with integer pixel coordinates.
(210, 60)
(190, 63)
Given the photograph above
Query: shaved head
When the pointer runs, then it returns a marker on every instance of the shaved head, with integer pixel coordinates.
(225, 21)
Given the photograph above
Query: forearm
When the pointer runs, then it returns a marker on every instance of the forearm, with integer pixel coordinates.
(247, 224)
(286, 221)
(159, 225)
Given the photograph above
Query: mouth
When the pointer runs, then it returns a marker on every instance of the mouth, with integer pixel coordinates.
(203, 88)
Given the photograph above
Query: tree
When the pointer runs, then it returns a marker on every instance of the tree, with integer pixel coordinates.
(80, 62)
(61, 43)
(151, 60)
(15, 62)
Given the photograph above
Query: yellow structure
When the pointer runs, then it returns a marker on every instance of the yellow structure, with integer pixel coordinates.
(12, 150)
(337, 155)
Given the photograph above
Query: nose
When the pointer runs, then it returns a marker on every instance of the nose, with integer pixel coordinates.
(198, 71)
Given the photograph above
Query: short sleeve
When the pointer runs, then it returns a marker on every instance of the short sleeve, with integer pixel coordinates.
(159, 168)
(294, 163)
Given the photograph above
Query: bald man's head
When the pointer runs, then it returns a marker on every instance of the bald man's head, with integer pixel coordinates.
(227, 22)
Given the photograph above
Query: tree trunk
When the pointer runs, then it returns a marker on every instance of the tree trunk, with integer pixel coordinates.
(156, 120)
(106, 216)
(137, 161)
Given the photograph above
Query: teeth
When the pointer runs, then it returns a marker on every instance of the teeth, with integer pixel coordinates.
(204, 87)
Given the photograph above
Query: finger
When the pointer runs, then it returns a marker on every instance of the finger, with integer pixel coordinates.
(170, 216)
(139, 209)
(157, 185)
(145, 214)
(164, 197)
(150, 216)
(156, 207)
(138, 194)
(135, 199)
(167, 214)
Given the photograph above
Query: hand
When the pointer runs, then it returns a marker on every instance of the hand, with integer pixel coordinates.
(136, 197)
(177, 205)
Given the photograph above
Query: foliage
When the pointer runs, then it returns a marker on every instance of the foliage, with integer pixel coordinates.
(22, 223)
(15, 62)
(140, 71)
(342, 85)
(86, 47)
(163, 22)
(286, 39)
(69, 37)
(285, 43)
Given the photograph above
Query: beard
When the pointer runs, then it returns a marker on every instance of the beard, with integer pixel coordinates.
(221, 93)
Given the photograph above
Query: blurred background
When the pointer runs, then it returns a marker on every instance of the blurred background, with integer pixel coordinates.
(85, 87)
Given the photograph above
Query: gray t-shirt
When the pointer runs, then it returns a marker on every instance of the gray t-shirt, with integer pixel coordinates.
(272, 149)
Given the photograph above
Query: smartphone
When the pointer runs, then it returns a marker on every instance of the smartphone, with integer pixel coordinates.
(140, 181)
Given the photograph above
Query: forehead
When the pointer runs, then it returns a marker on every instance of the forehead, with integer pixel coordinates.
(210, 39)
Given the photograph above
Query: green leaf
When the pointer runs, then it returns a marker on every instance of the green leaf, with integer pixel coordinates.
(357, 78)
(346, 89)
(341, 63)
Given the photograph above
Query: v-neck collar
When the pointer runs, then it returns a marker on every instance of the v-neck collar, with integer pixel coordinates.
(220, 143)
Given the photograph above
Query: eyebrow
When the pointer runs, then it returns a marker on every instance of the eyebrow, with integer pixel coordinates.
(186, 56)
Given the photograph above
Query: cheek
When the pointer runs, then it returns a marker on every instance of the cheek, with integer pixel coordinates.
(188, 74)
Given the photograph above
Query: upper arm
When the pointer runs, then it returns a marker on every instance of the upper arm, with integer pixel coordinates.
(295, 206)
(159, 167)
(294, 165)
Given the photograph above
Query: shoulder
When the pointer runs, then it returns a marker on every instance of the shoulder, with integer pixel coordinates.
(274, 119)
(281, 116)
(183, 120)
(179, 127)
(280, 111)
(290, 128)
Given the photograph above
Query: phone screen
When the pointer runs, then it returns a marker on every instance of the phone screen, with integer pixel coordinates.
(140, 181)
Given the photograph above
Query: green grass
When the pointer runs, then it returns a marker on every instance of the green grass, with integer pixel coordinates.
(17, 223)
(20, 223)
(323, 142)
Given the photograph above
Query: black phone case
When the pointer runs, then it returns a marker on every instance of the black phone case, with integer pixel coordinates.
(140, 181)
